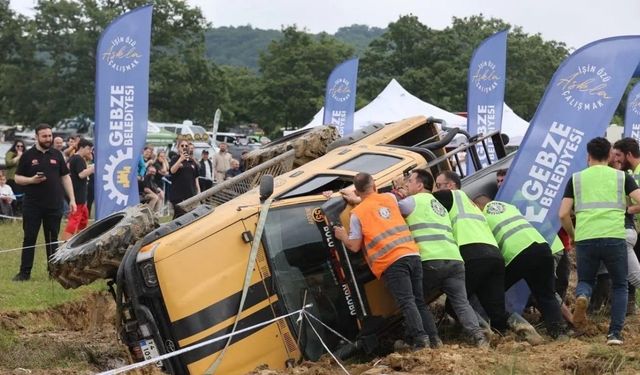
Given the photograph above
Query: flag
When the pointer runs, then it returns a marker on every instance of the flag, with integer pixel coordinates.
(577, 106)
(122, 100)
(340, 97)
(485, 92)
(632, 114)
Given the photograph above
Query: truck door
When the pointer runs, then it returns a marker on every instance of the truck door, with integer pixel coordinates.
(305, 271)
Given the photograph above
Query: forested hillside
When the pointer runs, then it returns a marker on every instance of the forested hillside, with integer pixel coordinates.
(241, 46)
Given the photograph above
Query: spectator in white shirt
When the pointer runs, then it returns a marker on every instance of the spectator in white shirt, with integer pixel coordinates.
(6, 196)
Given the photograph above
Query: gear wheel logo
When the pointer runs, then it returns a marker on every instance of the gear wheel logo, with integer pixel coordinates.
(114, 176)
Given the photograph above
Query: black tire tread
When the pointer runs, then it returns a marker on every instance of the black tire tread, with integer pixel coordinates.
(99, 258)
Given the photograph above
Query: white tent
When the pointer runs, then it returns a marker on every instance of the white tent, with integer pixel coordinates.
(395, 103)
(513, 125)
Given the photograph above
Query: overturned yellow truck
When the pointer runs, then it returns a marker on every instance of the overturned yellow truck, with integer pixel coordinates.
(245, 255)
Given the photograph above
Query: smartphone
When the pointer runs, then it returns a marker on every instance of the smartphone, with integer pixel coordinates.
(40, 174)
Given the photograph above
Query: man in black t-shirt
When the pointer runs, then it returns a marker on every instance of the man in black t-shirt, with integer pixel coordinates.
(80, 173)
(44, 174)
(184, 180)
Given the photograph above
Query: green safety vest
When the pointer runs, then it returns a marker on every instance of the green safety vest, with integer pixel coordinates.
(636, 174)
(599, 202)
(512, 231)
(431, 229)
(469, 224)
(557, 245)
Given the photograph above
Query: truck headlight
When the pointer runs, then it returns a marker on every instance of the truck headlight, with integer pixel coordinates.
(149, 274)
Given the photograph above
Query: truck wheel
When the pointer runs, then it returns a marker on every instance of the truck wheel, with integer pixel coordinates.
(96, 252)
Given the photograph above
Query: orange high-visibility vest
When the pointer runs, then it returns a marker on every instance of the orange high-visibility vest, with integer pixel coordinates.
(385, 234)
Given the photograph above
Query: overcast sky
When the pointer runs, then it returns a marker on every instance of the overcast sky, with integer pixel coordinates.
(573, 22)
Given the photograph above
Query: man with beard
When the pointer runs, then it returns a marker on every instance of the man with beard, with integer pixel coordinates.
(44, 174)
(626, 156)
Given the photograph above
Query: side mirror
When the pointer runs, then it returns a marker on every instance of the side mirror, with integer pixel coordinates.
(266, 187)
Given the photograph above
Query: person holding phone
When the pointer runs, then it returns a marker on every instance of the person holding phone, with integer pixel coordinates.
(184, 180)
(44, 175)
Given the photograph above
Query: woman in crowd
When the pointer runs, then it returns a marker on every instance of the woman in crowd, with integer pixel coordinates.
(12, 157)
(162, 167)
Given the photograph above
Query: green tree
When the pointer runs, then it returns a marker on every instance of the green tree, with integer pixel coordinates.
(294, 73)
(18, 100)
(433, 65)
(244, 93)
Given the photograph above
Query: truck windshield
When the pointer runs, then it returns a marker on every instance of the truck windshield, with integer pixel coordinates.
(306, 271)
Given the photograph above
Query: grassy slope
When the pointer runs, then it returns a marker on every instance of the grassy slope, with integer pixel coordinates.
(38, 293)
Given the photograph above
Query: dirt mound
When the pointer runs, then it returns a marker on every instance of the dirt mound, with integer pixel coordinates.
(585, 355)
(73, 338)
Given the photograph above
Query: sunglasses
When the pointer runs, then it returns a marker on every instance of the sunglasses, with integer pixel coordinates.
(19, 146)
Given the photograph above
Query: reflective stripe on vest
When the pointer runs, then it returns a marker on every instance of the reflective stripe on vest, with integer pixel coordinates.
(513, 232)
(435, 237)
(462, 214)
(388, 247)
(469, 225)
(419, 226)
(431, 229)
(600, 202)
(580, 205)
(385, 234)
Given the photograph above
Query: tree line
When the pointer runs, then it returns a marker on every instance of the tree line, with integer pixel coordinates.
(47, 65)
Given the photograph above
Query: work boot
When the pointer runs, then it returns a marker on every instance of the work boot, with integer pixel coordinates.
(420, 343)
(401, 346)
(631, 302)
(435, 342)
(524, 329)
(580, 312)
(600, 294)
(558, 332)
(21, 277)
(480, 341)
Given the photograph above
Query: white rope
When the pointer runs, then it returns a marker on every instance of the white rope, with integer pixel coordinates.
(199, 345)
(329, 328)
(27, 247)
(306, 315)
(11, 217)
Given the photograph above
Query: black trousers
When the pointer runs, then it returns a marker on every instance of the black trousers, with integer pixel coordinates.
(562, 275)
(535, 265)
(484, 277)
(33, 216)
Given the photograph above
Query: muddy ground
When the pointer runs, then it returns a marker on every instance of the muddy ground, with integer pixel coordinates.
(79, 338)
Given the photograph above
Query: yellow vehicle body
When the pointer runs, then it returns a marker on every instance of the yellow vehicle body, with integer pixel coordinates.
(199, 263)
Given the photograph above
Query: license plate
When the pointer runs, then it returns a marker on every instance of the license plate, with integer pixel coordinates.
(149, 350)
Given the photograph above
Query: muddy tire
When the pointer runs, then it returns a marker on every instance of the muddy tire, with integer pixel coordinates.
(308, 146)
(96, 252)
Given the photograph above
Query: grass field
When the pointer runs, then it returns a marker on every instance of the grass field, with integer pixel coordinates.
(38, 293)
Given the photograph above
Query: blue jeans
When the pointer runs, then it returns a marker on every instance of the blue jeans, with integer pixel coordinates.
(613, 253)
(403, 279)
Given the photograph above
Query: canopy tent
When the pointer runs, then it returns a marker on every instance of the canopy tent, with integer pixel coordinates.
(392, 104)
(395, 103)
